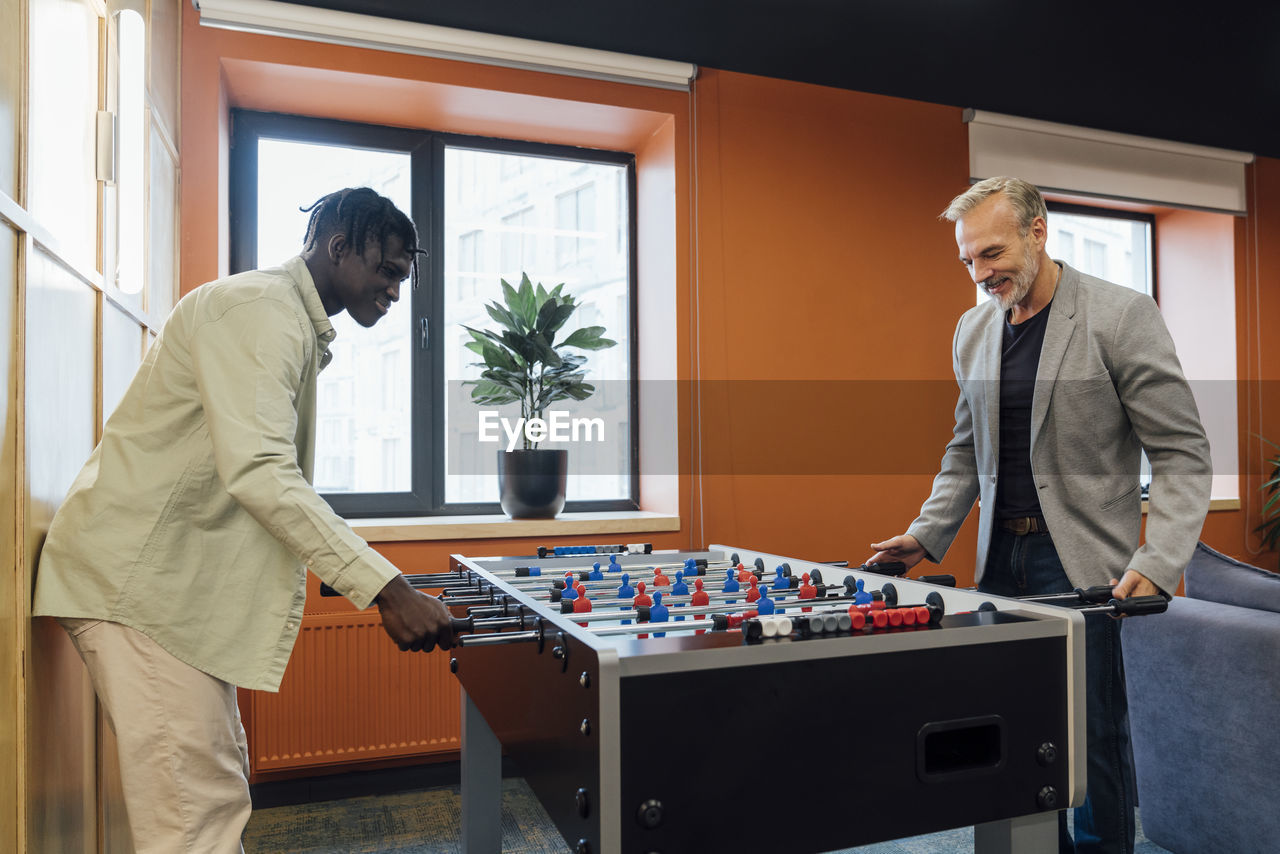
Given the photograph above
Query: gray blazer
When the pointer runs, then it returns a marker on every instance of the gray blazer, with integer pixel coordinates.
(1108, 385)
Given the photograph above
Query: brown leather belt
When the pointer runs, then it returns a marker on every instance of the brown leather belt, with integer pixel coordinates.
(1024, 525)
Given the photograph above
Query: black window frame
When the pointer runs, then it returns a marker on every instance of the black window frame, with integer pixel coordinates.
(426, 149)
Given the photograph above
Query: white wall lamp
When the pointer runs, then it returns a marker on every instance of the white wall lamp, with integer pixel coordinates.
(348, 28)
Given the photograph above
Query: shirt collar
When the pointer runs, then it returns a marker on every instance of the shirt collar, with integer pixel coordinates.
(325, 333)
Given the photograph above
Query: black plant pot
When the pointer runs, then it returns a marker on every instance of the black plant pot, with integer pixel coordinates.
(532, 483)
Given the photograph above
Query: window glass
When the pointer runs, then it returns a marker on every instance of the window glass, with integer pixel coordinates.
(397, 432)
(557, 221)
(1114, 248)
(366, 414)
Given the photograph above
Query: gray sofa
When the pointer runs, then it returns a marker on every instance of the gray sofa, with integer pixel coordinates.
(1204, 708)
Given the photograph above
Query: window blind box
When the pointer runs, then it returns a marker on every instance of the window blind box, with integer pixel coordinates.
(290, 20)
(1065, 158)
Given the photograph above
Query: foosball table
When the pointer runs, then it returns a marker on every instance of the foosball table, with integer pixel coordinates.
(733, 700)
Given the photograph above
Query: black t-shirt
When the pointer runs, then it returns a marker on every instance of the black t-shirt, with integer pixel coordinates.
(1019, 358)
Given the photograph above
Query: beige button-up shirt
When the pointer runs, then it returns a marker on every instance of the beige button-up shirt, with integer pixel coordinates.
(195, 516)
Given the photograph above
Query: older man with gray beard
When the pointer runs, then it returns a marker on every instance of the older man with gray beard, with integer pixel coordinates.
(1064, 380)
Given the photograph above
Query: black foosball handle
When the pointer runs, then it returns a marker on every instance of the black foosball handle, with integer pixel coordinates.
(1099, 595)
(888, 567)
(1136, 606)
(940, 580)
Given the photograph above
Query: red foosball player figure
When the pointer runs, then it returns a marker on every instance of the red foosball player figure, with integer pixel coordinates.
(744, 574)
(754, 593)
(700, 597)
(807, 590)
(660, 580)
(641, 600)
(582, 605)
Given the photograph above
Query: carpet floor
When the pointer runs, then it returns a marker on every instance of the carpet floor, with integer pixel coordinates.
(426, 822)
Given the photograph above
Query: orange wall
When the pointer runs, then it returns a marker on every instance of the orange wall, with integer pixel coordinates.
(815, 289)
(827, 294)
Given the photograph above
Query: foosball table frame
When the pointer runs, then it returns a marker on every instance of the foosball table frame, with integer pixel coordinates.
(706, 742)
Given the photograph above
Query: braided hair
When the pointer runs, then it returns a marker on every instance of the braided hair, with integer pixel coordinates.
(362, 215)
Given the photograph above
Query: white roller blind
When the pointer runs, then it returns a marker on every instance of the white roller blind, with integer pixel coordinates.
(1101, 163)
(348, 28)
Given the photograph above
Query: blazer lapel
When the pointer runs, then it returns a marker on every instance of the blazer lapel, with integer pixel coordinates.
(1057, 335)
(992, 344)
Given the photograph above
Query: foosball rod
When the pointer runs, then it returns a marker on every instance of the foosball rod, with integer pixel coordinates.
(887, 594)
(649, 627)
(628, 612)
(521, 574)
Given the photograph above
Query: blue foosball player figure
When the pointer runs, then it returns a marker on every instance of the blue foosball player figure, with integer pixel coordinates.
(595, 574)
(658, 613)
(680, 588)
(861, 596)
(731, 585)
(569, 591)
(764, 605)
(626, 591)
(780, 581)
(614, 566)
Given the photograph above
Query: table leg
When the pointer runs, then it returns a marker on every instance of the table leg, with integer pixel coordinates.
(1028, 834)
(481, 783)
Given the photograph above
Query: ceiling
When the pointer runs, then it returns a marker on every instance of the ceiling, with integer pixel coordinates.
(1210, 75)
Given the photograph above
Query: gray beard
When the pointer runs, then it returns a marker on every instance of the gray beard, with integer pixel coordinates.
(1021, 282)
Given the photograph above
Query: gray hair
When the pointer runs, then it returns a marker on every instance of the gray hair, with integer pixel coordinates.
(1025, 198)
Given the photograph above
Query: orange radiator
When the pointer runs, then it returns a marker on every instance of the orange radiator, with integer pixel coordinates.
(349, 695)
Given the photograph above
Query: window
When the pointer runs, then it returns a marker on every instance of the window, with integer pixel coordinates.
(1114, 245)
(411, 443)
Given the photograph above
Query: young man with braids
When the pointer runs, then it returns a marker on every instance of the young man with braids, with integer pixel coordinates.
(177, 561)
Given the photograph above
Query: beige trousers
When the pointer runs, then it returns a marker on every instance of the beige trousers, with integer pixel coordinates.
(184, 761)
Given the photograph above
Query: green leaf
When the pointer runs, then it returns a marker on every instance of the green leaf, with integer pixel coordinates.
(504, 318)
(1272, 502)
(552, 317)
(543, 350)
(588, 338)
(528, 301)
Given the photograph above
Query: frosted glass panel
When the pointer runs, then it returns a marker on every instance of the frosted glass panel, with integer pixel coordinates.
(164, 35)
(60, 404)
(64, 101)
(121, 355)
(10, 94)
(162, 247)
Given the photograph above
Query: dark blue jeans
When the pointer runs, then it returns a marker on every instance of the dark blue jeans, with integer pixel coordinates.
(1029, 565)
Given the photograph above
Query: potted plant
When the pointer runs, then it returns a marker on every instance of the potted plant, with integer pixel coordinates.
(523, 361)
(1270, 527)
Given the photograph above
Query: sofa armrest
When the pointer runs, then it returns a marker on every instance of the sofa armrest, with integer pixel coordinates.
(1204, 690)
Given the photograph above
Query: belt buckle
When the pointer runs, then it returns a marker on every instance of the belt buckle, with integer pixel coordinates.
(1021, 526)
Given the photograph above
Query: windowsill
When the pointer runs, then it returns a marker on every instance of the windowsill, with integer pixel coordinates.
(1214, 504)
(390, 530)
